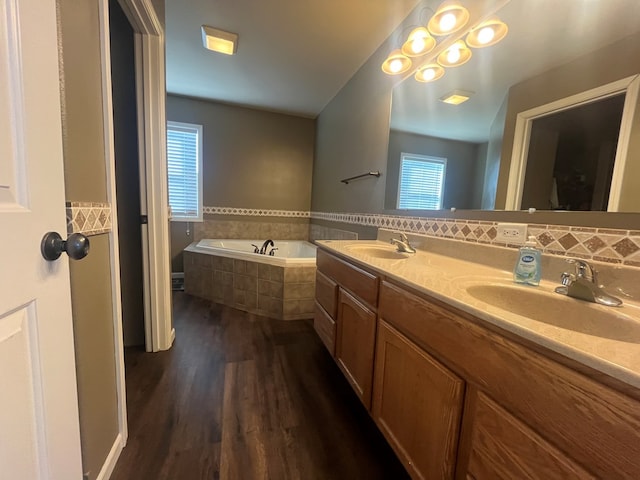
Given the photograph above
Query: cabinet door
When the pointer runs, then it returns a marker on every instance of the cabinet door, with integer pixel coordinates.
(356, 332)
(417, 403)
(497, 446)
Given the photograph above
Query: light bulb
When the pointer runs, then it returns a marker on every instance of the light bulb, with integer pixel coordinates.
(453, 56)
(418, 44)
(485, 35)
(396, 65)
(429, 74)
(447, 22)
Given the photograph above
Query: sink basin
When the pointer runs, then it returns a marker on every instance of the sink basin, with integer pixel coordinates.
(378, 251)
(560, 311)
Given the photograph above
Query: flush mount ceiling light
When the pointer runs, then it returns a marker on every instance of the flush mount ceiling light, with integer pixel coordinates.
(219, 40)
(456, 97)
(429, 73)
(396, 63)
(487, 33)
(456, 55)
(449, 18)
(420, 42)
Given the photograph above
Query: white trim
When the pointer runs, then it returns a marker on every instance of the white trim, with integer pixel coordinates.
(116, 302)
(524, 122)
(116, 449)
(150, 78)
(622, 151)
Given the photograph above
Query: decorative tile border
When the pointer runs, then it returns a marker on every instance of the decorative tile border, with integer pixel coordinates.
(88, 218)
(254, 212)
(600, 244)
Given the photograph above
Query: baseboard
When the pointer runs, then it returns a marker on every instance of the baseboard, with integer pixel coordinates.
(172, 337)
(111, 460)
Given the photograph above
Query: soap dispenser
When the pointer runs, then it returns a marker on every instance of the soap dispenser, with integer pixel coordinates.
(528, 269)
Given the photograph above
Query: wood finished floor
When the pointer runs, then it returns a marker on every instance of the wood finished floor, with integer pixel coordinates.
(245, 397)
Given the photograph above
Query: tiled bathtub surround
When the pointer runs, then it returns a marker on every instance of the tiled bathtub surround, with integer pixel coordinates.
(281, 229)
(322, 232)
(88, 218)
(600, 244)
(284, 293)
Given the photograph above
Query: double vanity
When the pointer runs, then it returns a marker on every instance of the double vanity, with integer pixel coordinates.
(470, 376)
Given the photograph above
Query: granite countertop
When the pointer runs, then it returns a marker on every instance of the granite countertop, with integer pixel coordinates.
(606, 339)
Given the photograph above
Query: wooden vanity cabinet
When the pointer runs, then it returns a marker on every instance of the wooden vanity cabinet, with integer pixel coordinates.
(355, 343)
(356, 294)
(526, 414)
(458, 398)
(325, 310)
(417, 404)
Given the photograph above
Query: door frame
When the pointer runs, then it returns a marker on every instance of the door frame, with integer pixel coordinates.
(150, 85)
(524, 123)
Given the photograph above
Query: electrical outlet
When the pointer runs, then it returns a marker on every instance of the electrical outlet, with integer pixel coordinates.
(512, 233)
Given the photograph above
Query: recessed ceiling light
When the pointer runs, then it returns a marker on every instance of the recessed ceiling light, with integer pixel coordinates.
(456, 97)
(219, 40)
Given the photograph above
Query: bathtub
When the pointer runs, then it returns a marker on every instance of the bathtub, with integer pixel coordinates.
(229, 272)
(289, 252)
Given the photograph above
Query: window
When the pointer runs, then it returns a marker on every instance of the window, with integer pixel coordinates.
(184, 166)
(421, 183)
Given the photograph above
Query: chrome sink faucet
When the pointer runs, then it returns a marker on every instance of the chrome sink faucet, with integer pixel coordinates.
(403, 244)
(583, 284)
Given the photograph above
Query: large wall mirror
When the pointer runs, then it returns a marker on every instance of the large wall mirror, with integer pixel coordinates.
(552, 121)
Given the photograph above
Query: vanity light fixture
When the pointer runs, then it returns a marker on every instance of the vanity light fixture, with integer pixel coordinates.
(429, 73)
(219, 40)
(487, 33)
(449, 22)
(456, 55)
(456, 97)
(450, 17)
(396, 63)
(420, 42)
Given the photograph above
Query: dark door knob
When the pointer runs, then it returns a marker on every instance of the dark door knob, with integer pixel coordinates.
(52, 246)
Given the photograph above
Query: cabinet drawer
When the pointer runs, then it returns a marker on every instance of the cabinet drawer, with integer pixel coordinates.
(590, 422)
(326, 293)
(325, 327)
(504, 448)
(363, 284)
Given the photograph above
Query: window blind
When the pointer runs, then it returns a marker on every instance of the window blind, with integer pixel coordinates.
(421, 182)
(184, 170)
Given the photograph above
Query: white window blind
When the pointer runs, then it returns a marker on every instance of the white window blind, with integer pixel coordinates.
(184, 158)
(421, 185)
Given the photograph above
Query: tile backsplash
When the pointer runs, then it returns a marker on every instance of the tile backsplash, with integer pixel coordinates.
(88, 218)
(600, 244)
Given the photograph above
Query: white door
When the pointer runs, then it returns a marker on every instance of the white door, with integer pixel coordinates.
(39, 432)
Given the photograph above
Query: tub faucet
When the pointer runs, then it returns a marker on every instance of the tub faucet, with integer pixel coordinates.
(255, 248)
(583, 284)
(403, 244)
(266, 244)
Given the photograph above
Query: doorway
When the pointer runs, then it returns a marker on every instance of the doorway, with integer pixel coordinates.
(127, 174)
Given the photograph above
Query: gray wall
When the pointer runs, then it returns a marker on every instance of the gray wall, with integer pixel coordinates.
(251, 159)
(85, 181)
(462, 159)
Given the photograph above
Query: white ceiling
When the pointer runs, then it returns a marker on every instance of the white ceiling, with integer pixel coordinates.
(293, 55)
(542, 34)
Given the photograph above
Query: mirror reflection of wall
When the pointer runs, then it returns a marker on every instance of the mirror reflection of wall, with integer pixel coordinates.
(571, 157)
(543, 58)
